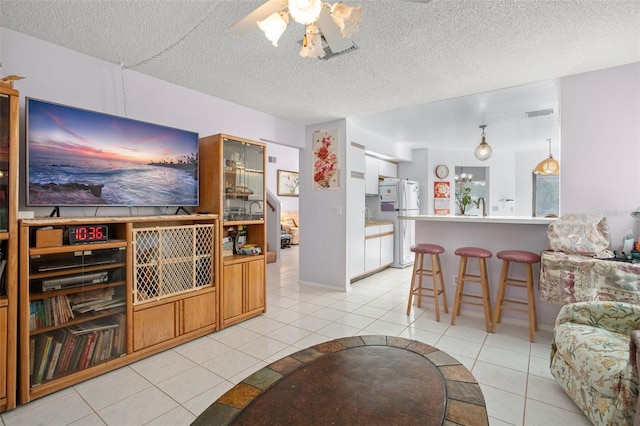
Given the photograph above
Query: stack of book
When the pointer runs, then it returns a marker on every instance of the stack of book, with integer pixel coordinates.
(95, 300)
(76, 347)
(60, 309)
(49, 312)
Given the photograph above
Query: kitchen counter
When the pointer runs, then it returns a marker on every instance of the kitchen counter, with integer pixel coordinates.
(525, 220)
(377, 222)
(493, 233)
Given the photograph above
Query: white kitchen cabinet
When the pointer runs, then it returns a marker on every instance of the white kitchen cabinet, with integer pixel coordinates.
(377, 169)
(386, 245)
(378, 250)
(371, 175)
(387, 169)
(371, 247)
(356, 210)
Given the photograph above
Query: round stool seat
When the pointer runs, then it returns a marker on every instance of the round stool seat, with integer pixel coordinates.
(473, 252)
(427, 248)
(518, 256)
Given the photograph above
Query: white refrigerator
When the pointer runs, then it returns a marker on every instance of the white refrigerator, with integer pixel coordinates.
(400, 198)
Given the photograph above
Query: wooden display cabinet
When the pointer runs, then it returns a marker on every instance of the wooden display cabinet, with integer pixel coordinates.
(90, 308)
(232, 185)
(9, 118)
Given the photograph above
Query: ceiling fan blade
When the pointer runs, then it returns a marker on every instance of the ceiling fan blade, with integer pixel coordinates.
(332, 33)
(250, 22)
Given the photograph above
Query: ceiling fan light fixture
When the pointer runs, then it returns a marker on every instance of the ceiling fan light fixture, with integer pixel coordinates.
(274, 25)
(312, 43)
(483, 151)
(347, 18)
(305, 12)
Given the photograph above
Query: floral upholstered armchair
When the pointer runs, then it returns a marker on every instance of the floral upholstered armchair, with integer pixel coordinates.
(594, 359)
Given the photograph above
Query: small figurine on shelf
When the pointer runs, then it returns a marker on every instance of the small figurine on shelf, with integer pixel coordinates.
(232, 232)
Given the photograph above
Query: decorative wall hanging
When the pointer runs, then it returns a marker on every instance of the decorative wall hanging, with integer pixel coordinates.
(288, 183)
(441, 198)
(326, 159)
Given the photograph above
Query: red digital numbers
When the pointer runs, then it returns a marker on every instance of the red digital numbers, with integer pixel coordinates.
(95, 233)
(89, 233)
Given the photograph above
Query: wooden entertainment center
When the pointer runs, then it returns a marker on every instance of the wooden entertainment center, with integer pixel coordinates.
(88, 308)
(87, 295)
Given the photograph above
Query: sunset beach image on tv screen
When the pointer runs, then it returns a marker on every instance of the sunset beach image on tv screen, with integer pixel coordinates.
(78, 157)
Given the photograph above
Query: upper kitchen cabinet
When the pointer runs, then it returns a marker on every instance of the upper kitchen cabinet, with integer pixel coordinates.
(377, 169)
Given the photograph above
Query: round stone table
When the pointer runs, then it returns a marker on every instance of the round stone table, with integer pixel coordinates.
(372, 380)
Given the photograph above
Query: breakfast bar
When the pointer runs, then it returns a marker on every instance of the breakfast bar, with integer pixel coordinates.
(493, 233)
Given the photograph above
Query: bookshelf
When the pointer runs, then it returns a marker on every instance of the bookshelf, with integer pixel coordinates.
(9, 118)
(86, 309)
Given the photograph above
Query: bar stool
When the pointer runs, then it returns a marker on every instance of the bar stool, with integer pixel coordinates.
(528, 259)
(419, 271)
(482, 255)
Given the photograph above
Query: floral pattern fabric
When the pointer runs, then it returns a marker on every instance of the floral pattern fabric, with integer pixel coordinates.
(584, 234)
(590, 359)
(567, 278)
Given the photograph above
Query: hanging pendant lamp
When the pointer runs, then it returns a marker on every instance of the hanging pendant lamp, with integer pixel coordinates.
(548, 166)
(483, 151)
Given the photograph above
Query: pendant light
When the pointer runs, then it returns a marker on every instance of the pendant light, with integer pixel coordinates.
(483, 151)
(548, 166)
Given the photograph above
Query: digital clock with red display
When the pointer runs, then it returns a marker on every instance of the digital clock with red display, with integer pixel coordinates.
(85, 234)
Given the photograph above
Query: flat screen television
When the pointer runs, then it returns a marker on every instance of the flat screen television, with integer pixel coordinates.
(77, 157)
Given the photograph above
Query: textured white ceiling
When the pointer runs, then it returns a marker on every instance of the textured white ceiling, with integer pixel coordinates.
(410, 53)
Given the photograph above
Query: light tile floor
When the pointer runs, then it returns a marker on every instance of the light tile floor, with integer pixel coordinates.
(175, 386)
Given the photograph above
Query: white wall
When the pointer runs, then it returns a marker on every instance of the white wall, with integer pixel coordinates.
(323, 245)
(60, 75)
(600, 125)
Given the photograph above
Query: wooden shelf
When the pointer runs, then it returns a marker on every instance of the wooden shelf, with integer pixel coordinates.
(33, 251)
(80, 320)
(73, 290)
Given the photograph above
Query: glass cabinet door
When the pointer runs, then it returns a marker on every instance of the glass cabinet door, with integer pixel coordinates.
(4, 162)
(243, 181)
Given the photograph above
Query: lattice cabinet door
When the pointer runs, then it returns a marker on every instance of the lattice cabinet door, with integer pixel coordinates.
(170, 260)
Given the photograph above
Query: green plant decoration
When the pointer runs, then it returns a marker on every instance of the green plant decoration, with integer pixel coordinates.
(463, 199)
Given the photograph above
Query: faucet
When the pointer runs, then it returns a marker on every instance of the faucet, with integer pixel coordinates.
(251, 206)
(484, 206)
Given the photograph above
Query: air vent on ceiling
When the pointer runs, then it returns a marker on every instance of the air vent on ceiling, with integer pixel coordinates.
(539, 113)
(328, 53)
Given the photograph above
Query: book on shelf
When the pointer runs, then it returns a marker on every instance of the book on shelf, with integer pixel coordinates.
(75, 347)
(96, 300)
(69, 340)
(87, 351)
(49, 312)
(55, 357)
(77, 352)
(32, 351)
(41, 357)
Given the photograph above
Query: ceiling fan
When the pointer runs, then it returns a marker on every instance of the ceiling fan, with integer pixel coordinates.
(330, 25)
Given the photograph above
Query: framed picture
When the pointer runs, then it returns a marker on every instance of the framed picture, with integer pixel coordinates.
(288, 183)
